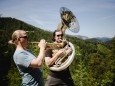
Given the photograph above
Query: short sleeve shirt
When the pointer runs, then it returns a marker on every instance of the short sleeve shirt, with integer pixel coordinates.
(30, 76)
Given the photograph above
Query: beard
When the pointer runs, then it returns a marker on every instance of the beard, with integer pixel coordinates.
(59, 41)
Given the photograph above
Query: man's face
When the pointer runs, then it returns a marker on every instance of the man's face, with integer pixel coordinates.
(58, 37)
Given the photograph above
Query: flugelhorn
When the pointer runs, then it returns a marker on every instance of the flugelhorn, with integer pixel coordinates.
(48, 45)
(51, 45)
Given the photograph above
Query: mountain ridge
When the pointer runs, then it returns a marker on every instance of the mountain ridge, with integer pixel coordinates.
(103, 39)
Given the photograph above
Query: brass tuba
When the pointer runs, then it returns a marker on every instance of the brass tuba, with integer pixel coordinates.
(68, 21)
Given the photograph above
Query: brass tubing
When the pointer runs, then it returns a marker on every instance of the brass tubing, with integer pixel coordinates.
(48, 45)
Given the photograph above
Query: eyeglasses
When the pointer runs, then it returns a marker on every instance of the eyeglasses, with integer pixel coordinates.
(59, 35)
(25, 37)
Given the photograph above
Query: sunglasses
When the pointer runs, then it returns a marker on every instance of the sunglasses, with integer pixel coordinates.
(59, 35)
(25, 37)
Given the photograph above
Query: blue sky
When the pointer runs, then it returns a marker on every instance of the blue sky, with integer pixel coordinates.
(96, 17)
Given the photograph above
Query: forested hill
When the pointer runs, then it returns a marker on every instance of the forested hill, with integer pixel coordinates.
(11, 24)
(94, 62)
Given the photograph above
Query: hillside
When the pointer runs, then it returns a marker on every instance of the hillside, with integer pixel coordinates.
(94, 62)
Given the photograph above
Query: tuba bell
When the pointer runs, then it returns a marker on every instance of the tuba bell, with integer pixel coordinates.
(68, 21)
